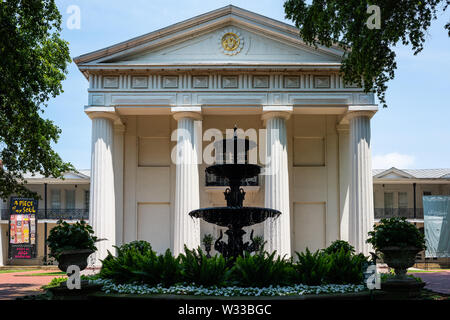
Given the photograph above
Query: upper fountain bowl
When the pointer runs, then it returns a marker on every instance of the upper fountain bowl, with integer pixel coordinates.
(236, 171)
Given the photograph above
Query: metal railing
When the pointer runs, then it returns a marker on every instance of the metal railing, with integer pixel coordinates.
(55, 214)
(215, 181)
(408, 213)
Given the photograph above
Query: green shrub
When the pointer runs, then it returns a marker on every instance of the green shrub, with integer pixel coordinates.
(261, 270)
(396, 232)
(345, 267)
(312, 268)
(387, 276)
(73, 236)
(125, 267)
(163, 269)
(133, 264)
(137, 262)
(55, 282)
(199, 269)
(141, 245)
(337, 245)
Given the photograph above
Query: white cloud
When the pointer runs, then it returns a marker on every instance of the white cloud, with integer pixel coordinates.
(394, 159)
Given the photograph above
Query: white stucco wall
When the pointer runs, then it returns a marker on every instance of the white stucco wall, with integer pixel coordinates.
(149, 179)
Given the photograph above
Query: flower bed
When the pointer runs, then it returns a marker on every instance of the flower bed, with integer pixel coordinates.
(231, 291)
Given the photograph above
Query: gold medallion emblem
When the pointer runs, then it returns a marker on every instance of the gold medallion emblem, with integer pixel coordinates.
(230, 41)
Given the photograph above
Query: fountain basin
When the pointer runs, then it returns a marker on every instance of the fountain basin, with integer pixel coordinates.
(234, 217)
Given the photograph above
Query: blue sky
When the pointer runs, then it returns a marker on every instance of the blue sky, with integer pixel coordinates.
(414, 132)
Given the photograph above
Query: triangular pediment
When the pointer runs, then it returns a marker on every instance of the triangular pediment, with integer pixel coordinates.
(73, 176)
(250, 39)
(393, 174)
(209, 48)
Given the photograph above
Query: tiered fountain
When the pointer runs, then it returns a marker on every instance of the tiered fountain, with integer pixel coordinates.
(234, 216)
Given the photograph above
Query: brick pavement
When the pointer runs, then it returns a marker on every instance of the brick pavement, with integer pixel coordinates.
(17, 284)
(436, 281)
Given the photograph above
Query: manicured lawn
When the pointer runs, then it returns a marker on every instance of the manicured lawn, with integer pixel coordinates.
(427, 271)
(15, 270)
(60, 273)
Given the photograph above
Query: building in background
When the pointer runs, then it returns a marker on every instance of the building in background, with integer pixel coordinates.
(399, 193)
(67, 199)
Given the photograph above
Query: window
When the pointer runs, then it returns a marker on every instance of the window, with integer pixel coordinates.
(388, 200)
(56, 199)
(427, 193)
(70, 199)
(86, 199)
(402, 200)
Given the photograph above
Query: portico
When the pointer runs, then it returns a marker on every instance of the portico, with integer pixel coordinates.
(224, 68)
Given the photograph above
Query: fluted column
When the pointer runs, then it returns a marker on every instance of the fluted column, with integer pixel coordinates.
(102, 214)
(344, 178)
(361, 187)
(187, 197)
(118, 160)
(277, 231)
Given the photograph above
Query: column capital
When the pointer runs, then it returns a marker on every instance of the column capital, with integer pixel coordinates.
(276, 112)
(114, 117)
(187, 114)
(270, 112)
(358, 111)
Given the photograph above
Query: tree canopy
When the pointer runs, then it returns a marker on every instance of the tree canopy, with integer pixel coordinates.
(370, 59)
(33, 63)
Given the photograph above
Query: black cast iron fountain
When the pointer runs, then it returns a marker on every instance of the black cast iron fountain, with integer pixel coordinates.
(235, 216)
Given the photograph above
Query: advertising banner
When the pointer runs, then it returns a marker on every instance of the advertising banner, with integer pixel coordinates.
(23, 228)
(436, 211)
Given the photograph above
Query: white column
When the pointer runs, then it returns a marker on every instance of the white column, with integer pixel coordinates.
(344, 179)
(277, 231)
(119, 130)
(102, 213)
(361, 187)
(187, 197)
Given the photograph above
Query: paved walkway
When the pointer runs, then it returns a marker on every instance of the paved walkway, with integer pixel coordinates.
(435, 281)
(17, 284)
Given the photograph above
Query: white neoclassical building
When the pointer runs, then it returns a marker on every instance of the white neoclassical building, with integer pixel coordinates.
(224, 68)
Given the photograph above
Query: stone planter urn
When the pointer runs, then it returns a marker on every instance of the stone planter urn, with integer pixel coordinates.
(77, 258)
(74, 257)
(400, 259)
(208, 250)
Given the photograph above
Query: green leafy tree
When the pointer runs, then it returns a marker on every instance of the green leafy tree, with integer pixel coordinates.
(33, 63)
(370, 59)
